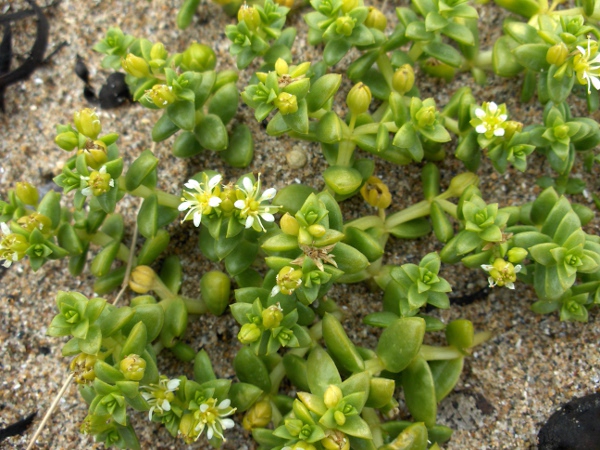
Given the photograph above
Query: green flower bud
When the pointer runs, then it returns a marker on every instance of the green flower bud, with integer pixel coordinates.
(187, 428)
(557, 54)
(286, 103)
(561, 131)
(67, 140)
(161, 95)
(133, 367)
(376, 19)
(158, 52)
(511, 127)
(82, 367)
(249, 333)
(199, 57)
(258, 416)
(250, 15)
(403, 79)
(303, 445)
(87, 123)
(339, 418)
(426, 117)
(272, 316)
(142, 279)
(344, 25)
(27, 193)
(349, 5)
(289, 225)
(96, 154)
(333, 395)
(517, 255)
(376, 193)
(359, 98)
(135, 66)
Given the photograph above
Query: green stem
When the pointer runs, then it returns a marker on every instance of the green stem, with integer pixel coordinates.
(448, 207)
(102, 239)
(195, 305)
(415, 51)
(431, 353)
(451, 125)
(386, 69)
(372, 128)
(483, 60)
(584, 288)
(374, 366)
(366, 222)
(164, 199)
(415, 211)
(345, 151)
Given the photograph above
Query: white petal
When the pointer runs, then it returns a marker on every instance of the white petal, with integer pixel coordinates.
(499, 132)
(491, 281)
(487, 267)
(481, 129)
(227, 423)
(209, 433)
(248, 186)
(502, 117)
(268, 194)
(5, 229)
(492, 107)
(249, 221)
(276, 289)
(150, 413)
(240, 204)
(214, 181)
(6, 263)
(510, 285)
(480, 113)
(185, 205)
(146, 395)
(87, 191)
(203, 407)
(197, 218)
(173, 384)
(518, 268)
(102, 169)
(224, 404)
(192, 184)
(166, 406)
(214, 201)
(595, 82)
(267, 216)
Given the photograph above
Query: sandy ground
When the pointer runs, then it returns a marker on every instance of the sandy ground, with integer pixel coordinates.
(510, 385)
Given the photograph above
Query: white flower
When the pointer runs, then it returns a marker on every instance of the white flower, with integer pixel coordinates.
(489, 120)
(160, 396)
(213, 417)
(587, 69)
(251, 209)
(502, 273)
(203, 200)
(12, 246)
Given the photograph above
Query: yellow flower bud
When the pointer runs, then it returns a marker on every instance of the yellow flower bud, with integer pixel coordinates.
(158, 52)
(135, 66)
(403, 79)
(345, 25)
(376, 193)
(359, 98)
(27, 193)
(376, 19)
(250, 15)
(142, 279)
(317, 230)
(272, 316)
(82, 367)
(339, 418)
(426, 116)
(517, 255)
(335, 440)
(557, 54)
(96, 154)
(258, 416)
(511, 127)
(289, 225)
(349, 5)
(161, 95)
(281, 67)
(286, 103)
(333, 395)
(87, 123)
(133, 367)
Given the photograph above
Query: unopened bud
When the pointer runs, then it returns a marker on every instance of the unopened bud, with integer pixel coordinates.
(199, 57)
(376, 19)
(142, 279)
(359, 98)
(281, 67)
(345, 25)
(289, 224)
(249, 333)
(258, 416)
(27, 193)
(403, 79)
(250, 15)
(333, 395)
(349, 5)
(87, 123)
(158, 52)
(426, 116)
(557, 54)
(317, 230)
(517, 255)
(135, 66)
(67, 140)
(272, 316)
(96, 154)
(133, 367)
(511, 127)
(286, 103)
(161, 95)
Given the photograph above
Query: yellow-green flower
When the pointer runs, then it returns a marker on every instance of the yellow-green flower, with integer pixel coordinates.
(502, 273)
(251, 208)
(490, 119)
(159, 396)
(587, 69)
(213, 418)
(12, 245)
(202, 200)
(98, 183)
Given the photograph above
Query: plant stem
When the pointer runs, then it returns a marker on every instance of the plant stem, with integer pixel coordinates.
(194, 305)
(385, 67)
(366, 222)
(431, 353)
(164, 199)
(415, 211)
